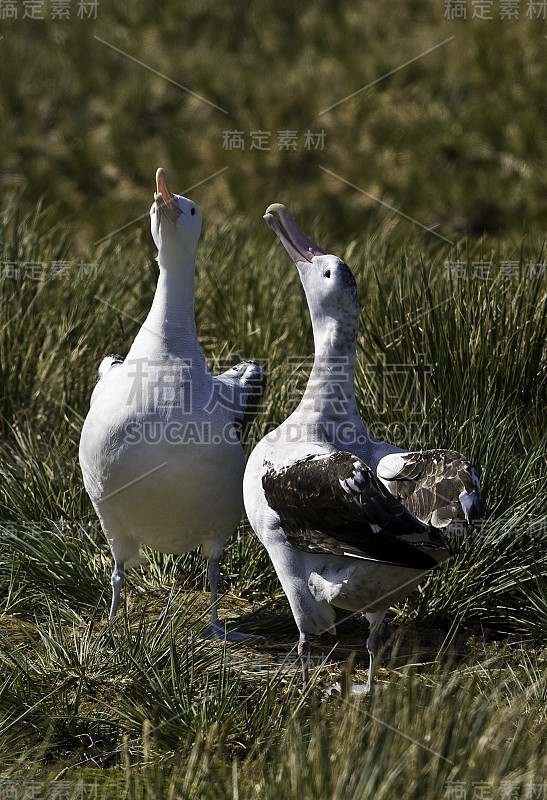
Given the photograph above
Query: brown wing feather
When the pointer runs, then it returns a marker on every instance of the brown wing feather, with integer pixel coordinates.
(335, 504)
(437, 486)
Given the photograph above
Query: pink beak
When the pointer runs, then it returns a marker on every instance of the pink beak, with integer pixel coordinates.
(297, 245)
(165, 199)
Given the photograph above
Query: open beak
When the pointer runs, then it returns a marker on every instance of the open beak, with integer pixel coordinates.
(165, 199)
(297, 245)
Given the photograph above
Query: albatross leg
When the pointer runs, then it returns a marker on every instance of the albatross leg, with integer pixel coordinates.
(117, 581)
(213, 574)
(218, 629)
(304, 650)
(373, 645)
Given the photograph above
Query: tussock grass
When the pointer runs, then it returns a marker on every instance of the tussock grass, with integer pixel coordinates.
(147, 708)
(453, 140)
(475, 723)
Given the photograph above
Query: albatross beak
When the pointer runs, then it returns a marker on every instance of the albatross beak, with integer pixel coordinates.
(297, 245)
(165, 199)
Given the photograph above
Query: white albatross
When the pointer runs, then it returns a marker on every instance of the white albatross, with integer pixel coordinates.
(160, 448)
(348, 521)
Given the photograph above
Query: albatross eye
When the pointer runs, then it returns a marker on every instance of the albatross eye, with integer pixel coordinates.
(192, 211)
(327, 273)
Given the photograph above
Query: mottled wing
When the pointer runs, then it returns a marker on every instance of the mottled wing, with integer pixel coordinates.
(437, 486)
(335, 504)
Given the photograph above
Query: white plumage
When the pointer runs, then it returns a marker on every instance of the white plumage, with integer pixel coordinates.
(160, 449)
(316, 488)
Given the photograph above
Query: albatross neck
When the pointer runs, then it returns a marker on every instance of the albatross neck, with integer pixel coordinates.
(330, 391)
(170, 327)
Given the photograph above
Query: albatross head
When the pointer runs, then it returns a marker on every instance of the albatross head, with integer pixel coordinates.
(175, 222)
(328, 282)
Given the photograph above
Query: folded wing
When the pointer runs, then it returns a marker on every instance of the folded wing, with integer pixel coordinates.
(335, 504)
(437, 486)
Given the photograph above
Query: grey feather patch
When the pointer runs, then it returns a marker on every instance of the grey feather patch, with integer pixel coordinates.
(431, 483)
(320, 512)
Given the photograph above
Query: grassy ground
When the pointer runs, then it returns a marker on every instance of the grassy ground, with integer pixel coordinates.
(454, 140)
(150, 705)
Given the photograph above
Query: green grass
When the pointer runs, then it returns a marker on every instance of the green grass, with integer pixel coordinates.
(454, 141)
(148, 709)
